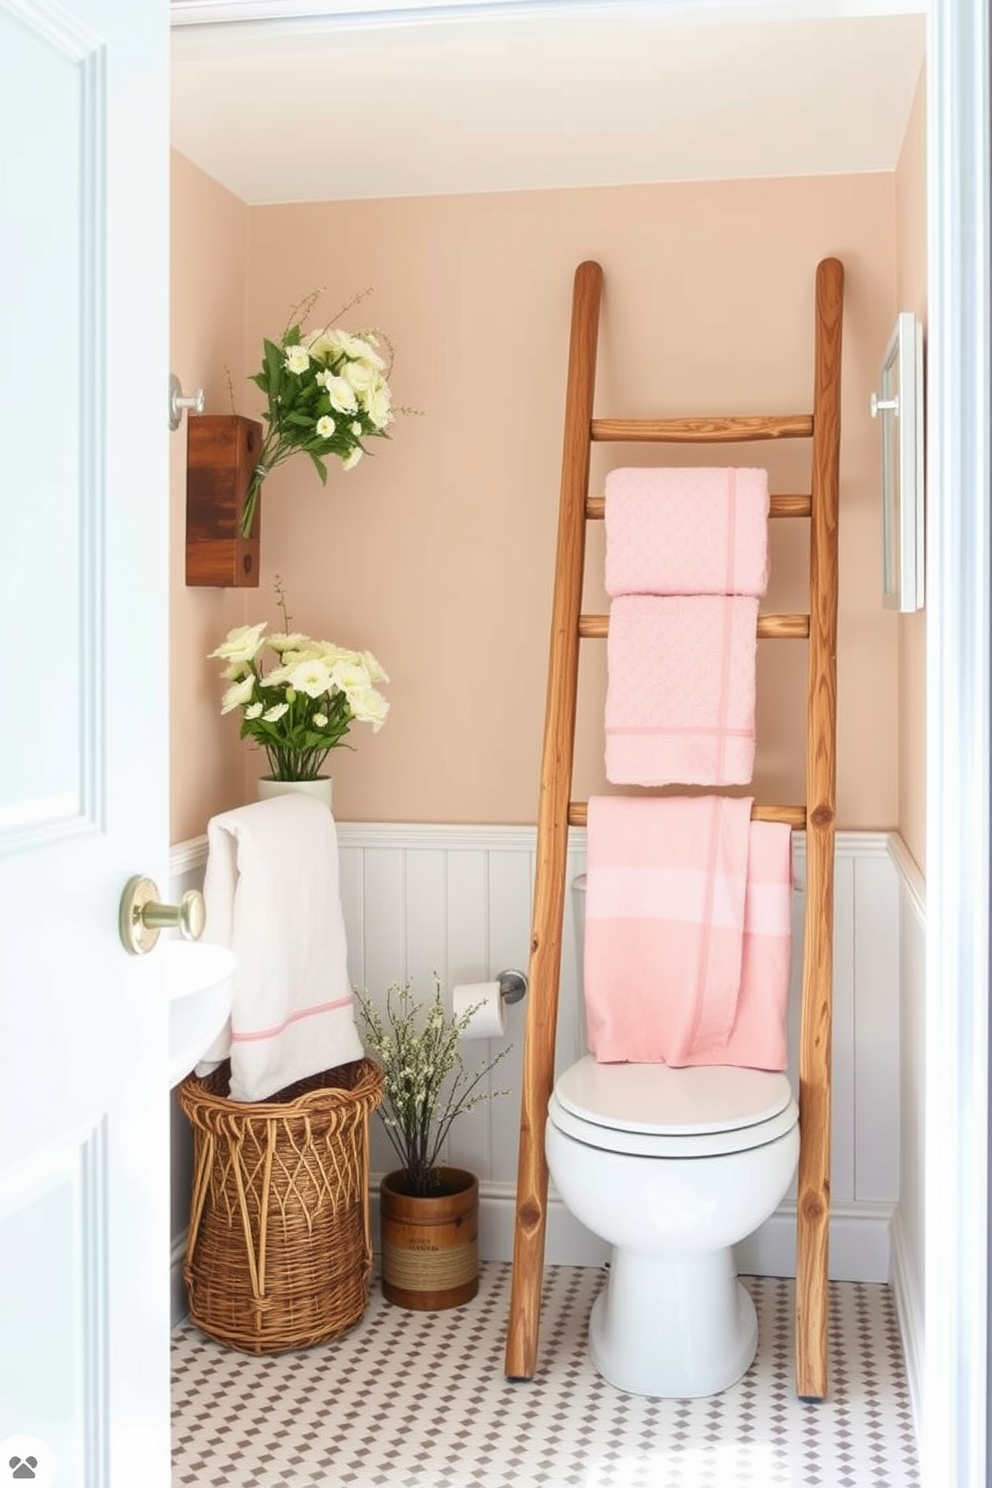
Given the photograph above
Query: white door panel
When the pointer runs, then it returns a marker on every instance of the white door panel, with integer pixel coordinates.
(84, 1155)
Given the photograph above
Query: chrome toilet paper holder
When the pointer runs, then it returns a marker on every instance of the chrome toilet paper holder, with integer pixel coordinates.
(512, 985)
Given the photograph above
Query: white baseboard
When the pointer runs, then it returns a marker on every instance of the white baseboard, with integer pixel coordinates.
(860, 1243)
(909, 1310)
(860, 1249)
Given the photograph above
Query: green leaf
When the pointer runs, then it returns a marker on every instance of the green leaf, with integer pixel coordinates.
(320, 467)
(289, 391)
(273, 368)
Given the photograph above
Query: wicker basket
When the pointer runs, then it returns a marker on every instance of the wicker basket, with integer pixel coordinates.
(279, 1253)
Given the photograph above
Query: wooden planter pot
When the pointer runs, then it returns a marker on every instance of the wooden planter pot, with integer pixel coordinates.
(430, 1246)
(221, 454)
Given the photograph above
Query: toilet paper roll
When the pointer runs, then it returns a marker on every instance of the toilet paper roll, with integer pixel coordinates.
(488, 1019)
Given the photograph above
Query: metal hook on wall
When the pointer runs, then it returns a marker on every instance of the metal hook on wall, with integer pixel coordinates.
(178, 401)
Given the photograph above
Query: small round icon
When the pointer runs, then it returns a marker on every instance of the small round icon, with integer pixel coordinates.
(26, 1459)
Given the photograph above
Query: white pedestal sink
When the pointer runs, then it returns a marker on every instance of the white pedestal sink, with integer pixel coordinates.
(199, 983)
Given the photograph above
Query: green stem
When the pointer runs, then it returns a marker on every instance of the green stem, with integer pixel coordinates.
(270, 455)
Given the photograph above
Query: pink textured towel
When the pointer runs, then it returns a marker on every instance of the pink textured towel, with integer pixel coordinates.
(694, 531)
(758, 1038)
(687, 940)
(680, 698)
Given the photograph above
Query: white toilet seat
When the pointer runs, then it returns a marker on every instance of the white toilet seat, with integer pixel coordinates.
(651, 1110)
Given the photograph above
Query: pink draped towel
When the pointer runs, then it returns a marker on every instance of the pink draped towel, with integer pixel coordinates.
(681, 692)
(687, 932)
(701, 530)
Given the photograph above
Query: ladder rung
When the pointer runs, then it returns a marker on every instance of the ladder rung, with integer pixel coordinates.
(779, 506)
(792, 816)
(703, 430)
(770, 627)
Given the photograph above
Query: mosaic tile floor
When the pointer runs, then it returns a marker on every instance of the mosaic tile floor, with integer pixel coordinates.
(413, 1400)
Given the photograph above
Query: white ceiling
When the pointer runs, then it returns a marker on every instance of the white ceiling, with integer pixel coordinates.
(314, 101)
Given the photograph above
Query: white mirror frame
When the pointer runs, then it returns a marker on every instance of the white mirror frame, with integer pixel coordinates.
(899, 406)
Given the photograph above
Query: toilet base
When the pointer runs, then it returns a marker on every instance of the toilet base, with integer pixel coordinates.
(676, 1329)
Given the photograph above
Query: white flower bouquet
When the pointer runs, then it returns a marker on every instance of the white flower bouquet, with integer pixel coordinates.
(425, 1084)
(304, 705)
(327, 391)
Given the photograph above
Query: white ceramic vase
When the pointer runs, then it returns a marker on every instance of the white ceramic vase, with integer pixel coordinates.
(321, 789)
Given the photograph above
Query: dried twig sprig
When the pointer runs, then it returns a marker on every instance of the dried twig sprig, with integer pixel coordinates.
(425, 1084)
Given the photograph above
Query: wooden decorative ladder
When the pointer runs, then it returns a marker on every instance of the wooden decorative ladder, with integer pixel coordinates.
(556, 812)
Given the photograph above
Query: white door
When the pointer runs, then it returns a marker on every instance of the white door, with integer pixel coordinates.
(84, 1157)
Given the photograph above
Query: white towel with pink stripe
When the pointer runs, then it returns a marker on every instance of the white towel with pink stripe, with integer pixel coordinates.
(272, 894)
(687, 932)
(686, 561)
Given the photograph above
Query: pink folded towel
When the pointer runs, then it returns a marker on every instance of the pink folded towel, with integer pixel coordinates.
(688, 932)
(693, 531)
(680, 697)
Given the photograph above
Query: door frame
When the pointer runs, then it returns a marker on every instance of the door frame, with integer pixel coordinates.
(955, 1408)
(956, 1418)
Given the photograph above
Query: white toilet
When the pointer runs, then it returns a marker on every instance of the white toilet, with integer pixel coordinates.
(672, 1167)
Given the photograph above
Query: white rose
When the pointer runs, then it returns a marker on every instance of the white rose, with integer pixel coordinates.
(350, 674)
(341, 394)
(334, 655)
(373, 667)
(360, 376)
(319, 344)
(369, 706)
(360, 348)
(325, 427)
(238, 695)
(297, 359)
(312, 676)
(294, 642)
(241, 645)
(379, 406)
(350, 461)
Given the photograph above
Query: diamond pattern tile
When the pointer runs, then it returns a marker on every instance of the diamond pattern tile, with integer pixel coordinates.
(414, 1400)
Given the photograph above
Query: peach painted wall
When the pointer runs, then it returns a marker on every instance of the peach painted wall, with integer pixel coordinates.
(208, 247)
(911, 290)
(438, 552)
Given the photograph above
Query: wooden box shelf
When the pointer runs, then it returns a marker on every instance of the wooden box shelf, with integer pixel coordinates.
(221, 454)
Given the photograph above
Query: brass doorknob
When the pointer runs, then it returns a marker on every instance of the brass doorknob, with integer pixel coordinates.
(142, 917)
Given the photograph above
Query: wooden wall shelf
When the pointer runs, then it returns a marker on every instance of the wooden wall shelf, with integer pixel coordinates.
(221, 454)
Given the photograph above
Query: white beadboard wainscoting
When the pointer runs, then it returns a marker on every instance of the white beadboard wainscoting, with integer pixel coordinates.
(908, 1223)
(457, 899)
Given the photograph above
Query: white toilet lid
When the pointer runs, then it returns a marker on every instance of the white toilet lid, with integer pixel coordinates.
(653, 1109)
